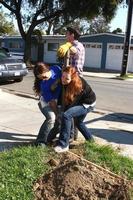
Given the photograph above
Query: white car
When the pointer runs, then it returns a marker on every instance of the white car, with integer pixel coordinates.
(11, 68)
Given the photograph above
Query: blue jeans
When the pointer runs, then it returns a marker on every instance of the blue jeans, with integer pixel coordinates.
(78, 112)
(57, 129)
(47, 125)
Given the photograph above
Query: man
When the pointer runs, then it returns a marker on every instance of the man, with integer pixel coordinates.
(77, 54)
(77, 50)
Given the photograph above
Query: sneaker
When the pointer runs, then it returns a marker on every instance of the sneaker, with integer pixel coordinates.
(91, 140)
(40, 144)
(60, 149)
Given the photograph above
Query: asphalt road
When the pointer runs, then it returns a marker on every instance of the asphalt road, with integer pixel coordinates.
(112, 95)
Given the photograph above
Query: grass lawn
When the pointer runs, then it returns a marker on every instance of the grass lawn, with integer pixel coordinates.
(106, 157)
(20, 167)
(126, 77)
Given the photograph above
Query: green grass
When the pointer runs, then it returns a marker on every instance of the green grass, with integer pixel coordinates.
(109, 158)
(130, 75)
(19, 168)
(126, 76)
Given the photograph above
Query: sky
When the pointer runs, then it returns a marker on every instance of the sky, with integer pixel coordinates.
(120, 20)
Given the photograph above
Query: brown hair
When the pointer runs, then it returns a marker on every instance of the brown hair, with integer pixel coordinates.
(75, 31)
(39, 68)
(74, 88)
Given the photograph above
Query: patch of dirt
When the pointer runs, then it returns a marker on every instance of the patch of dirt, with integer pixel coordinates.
(74, 178)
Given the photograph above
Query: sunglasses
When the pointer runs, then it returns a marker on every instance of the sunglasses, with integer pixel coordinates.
(40, 76)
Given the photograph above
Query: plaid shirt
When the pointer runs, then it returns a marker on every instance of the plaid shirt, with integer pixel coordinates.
(77, 60)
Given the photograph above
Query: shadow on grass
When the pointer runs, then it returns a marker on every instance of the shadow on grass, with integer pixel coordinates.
(10, 139)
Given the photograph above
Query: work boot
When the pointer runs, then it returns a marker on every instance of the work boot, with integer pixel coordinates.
(75, 137)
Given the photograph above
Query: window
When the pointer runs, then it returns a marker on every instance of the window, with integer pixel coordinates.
(87, 45)
(117, 47)
(93, 46)
(111, 46)
(53, 46)
(15, 45)
(99, 46)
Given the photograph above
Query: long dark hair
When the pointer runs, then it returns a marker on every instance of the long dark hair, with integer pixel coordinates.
(39, 68)
(74, 88)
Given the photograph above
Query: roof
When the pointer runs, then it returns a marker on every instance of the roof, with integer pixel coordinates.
(53, 36)
(63, 36)
(109, 34)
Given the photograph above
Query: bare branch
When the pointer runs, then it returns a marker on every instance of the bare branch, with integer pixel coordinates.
(7, 6)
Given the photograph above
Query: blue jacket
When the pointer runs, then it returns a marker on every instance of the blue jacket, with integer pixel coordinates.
(50, 89)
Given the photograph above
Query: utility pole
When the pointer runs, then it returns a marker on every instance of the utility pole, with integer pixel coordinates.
(127, 38)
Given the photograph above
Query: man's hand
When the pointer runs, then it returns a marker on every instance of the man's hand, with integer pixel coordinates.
(73, 50)
(61, 52)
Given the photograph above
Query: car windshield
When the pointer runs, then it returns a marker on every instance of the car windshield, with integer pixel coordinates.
(3, 54)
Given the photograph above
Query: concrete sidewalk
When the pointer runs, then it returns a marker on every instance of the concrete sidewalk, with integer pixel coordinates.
(20, 120)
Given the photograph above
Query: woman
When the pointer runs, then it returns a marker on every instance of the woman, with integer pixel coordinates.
(47, 86)
(79, 99)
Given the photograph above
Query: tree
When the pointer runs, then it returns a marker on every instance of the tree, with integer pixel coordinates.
(5, 26)
(61, 28)
(31, 13)
(117, 30)
(99, 25)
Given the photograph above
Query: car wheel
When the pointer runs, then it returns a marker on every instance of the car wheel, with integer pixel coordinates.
(19, 79)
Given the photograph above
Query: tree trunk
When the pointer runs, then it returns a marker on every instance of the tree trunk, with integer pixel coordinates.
(27, 51)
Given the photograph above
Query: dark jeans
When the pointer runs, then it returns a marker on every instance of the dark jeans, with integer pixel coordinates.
(78, 112)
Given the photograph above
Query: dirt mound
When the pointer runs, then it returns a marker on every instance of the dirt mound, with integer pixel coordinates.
(78, 179)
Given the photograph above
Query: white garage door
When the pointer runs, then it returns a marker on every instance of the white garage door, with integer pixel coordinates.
(93, 52)
(114, 57)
